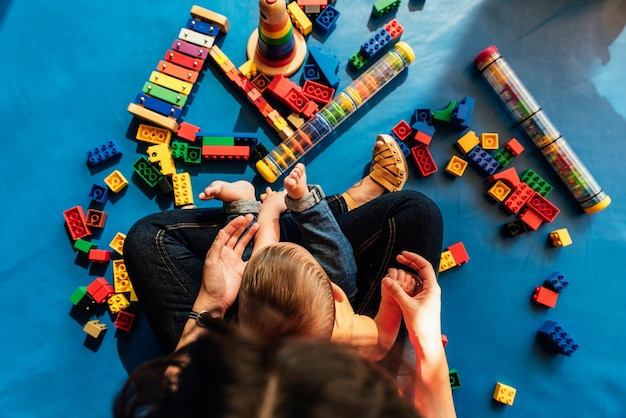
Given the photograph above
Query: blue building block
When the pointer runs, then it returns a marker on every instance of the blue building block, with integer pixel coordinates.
(484, 160)
(376, 43)
(159, 106)
(553, 336)
(311, 72)
(422, 115)
(202, 27)
(327, 65)
(556, 282)
(462, 113)
(424, 127)
(104, 152)
(327, 19)
(99, 193)
(405, 149)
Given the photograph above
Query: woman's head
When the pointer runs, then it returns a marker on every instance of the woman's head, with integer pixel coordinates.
(285, 292)
(226, 373)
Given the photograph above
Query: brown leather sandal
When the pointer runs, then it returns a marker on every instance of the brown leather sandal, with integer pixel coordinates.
(389, 167)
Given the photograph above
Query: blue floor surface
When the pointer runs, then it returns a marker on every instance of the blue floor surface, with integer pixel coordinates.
(70, 69)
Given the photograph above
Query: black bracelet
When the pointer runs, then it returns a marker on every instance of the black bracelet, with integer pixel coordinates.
(203, 316)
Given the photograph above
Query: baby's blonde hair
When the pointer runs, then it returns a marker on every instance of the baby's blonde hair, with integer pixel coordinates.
(285, 292)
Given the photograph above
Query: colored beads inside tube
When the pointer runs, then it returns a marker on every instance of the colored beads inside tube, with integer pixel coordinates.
(334, 113)
(541, 131)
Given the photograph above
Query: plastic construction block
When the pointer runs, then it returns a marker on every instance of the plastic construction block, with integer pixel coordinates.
(99, 193)
(423, 132)
(462, 113)
(327, 64)
(121, 281)
(234, 153)
(543, 207)
(383, 7)
(116, 181)
(483, 160)
(81, 299)
(311, 72)
(162, 154)
(468, 142)
(536, 182)
(299, 19)
(518, 198)
(508, 176)
(317, 92)
(514, 228)
(124, 320)
(554, 337)
(560, 237)
(181, 184)
(117, 302)
(456, 166)
(459, 253)
(545, 296)
(327, 19)
(179, 149)
(287, 92)
(504, 394)
(100, 290)
(193, 155)
(406, 151)
(444, 340)
(503, 157)
(556, 282)
(117, 243)
(147, 171)
(95, 328)
(395, 29)
(358, 60)
(402, 130)
(445, 115)
(153, 135)
(455, 382)
(96, 218)
(76, 222)
(187, 131)
(99, 256)
(84, 246)
(489, 140)
(423, 115)
(376, 43)
(446, 261)
(531, 219)
(499, 191)
(424, 160)
(514, 147)
(102, 153)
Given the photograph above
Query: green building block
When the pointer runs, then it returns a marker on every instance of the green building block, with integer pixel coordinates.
(193, 155)
(503, 156)
(164, 94)
(358, 60)
(228, 141)
(445, 115)
(84, 246)
(179, 149)
(537, 183)
(382, 7)
(147, 171)
(454, 379)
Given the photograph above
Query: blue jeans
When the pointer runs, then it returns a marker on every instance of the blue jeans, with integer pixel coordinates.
(164, 253)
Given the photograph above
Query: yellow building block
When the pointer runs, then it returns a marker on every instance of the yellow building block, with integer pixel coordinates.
(117, 243)
(504, 393)
(456, 166)
(183, 195)
(248, 69)
(121, 281)
(299, 19)
(118, 302)
(94, 328)
(153, 135)
(561, 238)
(446, 261)
(170, 82)
(489, 141)
(116, 181)
(467, 142)
(162, 154)
(499, 191)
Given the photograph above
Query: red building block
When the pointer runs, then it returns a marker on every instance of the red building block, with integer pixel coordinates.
(424, 160)
(518, 197)
(100, 290)
(531, 219)
(545, 296)
(514, 147)
(76, 223)
(318, 92)
(458, 253)
(224, 152)
(124, 320)
(508, 176)
(394, 28)
(402, 130)
(187, 131)
(543, 207)
(99, 256)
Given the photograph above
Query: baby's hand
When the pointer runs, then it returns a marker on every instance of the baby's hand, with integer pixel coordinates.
(273, 201)
(409, 282)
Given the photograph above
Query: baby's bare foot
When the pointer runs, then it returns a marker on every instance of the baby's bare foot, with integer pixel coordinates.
(228, 192)
(295, 182)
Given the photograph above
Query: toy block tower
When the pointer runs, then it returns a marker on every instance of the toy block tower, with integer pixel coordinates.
(275, 48)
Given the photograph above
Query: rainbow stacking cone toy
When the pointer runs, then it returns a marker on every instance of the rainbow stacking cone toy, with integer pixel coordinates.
(274, 47)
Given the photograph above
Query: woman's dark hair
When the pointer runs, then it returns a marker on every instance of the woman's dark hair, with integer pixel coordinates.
(226, 373)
